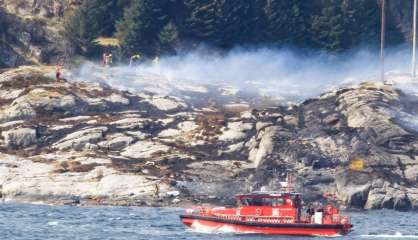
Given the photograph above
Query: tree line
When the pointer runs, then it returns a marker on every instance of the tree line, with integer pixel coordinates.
(153, 27)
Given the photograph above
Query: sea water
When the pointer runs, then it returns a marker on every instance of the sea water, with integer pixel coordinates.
(41, 222)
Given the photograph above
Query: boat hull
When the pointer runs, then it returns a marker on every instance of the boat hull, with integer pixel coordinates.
(299, 229)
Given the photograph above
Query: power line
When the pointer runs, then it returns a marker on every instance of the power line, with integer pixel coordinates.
(382, 42)
(414, 42)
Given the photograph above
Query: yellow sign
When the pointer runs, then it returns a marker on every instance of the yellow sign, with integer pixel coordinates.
(356, 164)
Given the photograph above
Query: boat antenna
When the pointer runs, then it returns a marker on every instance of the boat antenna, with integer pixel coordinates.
(382, 42)
(414, 42)
(289, 186)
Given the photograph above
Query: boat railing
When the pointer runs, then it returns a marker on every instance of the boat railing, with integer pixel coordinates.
(255, 218)
(203, 211)
(198, 211)
(341, 219)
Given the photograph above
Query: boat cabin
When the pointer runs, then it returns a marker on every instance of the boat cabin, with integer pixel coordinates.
(274, 204)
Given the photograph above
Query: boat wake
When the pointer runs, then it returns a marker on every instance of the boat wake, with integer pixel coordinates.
(201, 228)
(397, 235)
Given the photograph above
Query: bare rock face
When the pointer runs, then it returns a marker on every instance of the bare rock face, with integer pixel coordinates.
(374, 201)
(358, 196)
(105, 146)
(265, 145)
(144, 150)
(117, 142)
(372, 123)
(166, 104)
(236, 131)
(20, 137)
(25, 106)
(80, 139)
(32, 31)
(414, 201)
(402, 203)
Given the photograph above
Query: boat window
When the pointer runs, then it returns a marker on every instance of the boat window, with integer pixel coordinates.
(268, 202)
(278, 202)
(246, 201)
(262, 202)
(258, 202)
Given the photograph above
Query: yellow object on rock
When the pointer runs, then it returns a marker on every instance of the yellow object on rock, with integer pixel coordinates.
(356, 164)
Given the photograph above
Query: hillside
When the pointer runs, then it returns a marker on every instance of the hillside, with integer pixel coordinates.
(31, 32)
(75, 142)
(55, 31)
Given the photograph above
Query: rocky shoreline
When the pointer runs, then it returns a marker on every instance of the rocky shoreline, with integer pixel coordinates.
(75, 142)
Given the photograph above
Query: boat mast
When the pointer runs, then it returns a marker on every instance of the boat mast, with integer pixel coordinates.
(382, 43)
(414, 42)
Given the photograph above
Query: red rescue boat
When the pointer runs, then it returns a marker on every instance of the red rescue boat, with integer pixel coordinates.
(277, 213)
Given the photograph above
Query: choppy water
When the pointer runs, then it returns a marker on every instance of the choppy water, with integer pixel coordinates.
(40, 222)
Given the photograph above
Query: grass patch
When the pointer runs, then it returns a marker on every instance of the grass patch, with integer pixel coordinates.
(107, 41)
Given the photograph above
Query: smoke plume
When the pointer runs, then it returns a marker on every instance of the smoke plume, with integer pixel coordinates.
(281, 73)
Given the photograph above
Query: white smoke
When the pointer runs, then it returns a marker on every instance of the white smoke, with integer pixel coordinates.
(273, 72)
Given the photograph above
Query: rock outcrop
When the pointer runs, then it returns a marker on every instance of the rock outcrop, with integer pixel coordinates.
(20, 137)
(78, 142)
(32, 31)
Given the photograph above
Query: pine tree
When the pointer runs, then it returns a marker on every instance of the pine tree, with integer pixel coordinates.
(202, 21)
(361, 22)
(4, 25)
(242, 22)
(77, 29)
(156, 26)
(288, 21)
(224, 23)
(168, 38)
(92, 19)
(328, 27)
(255, 22)
(139, 29)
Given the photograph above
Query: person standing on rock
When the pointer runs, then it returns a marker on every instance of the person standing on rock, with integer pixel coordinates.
(109, 60)
(134, 58)
(157, 190)
(57, 73)
(104, 57)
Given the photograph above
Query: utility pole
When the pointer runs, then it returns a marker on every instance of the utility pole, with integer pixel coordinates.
(414, 43)
(382, 42)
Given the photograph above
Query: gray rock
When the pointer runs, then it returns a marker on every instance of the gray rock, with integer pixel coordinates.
(24, 106)
(90, 146)
(118, 99)
(374, 200)
(265, 146)
(357, 196)
(167, 104)
(291, 120)
(236, 131)
(414, 201)
(387, 202)
(411, 173)
(18, 111)
(402, 203)
(79, 139)
(145, 149)
(117, 143)
(20, 137)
